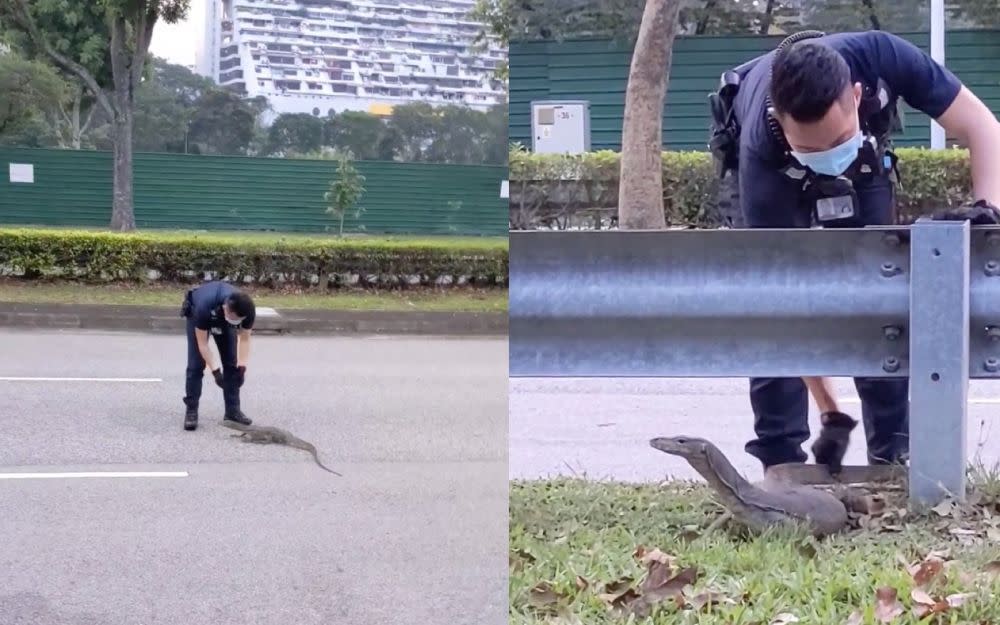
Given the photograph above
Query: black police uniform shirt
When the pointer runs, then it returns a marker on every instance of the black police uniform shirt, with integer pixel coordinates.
(207, 311)
(768, 197)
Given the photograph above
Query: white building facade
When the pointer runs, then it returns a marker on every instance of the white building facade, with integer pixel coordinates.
(323, 56)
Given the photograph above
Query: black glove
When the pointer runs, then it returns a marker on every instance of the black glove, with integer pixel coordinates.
(241, 373)
(982, 213)
(217, 374)
(834, 438)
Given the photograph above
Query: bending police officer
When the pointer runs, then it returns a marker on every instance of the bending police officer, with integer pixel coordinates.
(806, 131)
(220, 309)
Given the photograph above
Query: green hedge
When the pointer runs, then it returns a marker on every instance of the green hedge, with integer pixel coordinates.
(545, 188)
(105, 256)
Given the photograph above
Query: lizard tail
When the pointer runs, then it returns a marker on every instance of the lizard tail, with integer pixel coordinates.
(321, 465)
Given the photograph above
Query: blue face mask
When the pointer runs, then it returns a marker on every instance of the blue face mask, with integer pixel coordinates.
(834, 161)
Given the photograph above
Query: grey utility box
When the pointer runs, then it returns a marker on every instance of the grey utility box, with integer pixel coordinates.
(560, 126)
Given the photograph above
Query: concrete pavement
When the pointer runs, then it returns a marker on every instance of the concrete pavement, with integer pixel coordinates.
(600, 428)
(415, 531)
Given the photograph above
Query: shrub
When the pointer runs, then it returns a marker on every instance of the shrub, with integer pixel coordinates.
(105, 256)
(555, 190)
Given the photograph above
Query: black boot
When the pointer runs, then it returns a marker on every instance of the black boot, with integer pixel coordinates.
(236, 416)
(190, 415)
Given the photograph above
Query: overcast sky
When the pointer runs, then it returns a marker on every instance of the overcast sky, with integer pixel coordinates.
(175, 42)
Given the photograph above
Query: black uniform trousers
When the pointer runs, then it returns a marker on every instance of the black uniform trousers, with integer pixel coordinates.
(226, 342)
(781, 405)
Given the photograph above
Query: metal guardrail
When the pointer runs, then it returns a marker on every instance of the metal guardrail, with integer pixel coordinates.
(921, 301)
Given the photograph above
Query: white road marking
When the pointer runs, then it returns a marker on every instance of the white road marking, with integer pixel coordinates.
(42, 379)
(82, 474)
(972, 400)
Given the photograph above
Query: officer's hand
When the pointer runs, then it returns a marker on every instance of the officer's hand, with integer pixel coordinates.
(217, 374)
(982, 213)
(241, 373)
(833, 441)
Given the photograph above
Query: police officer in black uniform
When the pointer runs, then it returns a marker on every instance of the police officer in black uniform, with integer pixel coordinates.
(804, 132)
(220, 309)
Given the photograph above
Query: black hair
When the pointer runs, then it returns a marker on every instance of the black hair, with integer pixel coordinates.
(241, 304)
(807, 78)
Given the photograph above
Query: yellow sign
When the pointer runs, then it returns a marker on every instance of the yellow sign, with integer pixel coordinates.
(380, 109)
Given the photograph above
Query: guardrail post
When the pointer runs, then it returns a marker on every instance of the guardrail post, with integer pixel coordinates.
(939, 359)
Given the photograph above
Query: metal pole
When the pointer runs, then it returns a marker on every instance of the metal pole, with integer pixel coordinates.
(939, 359)
(937, 53)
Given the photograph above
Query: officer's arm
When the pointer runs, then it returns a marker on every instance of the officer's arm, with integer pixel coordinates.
(206, 353)
(934, 90)
(243, 347)
(973, 124)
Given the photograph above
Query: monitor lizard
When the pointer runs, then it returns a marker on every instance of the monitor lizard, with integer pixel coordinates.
(770, 502)
(265, 435)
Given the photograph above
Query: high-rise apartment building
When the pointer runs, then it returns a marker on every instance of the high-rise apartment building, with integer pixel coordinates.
(317, 56)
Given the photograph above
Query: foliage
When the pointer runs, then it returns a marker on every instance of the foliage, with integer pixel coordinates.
(345, 191)
(119, 39)
(529, 20)
(295, 132)
(550, 190)
(495, 18)
(101, 257)
(30, 94)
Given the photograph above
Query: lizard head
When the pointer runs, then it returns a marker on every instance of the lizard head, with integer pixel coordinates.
(689, 447)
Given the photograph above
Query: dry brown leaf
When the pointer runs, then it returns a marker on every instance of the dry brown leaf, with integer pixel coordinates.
(992, 568)
(856, 618)
(925, 572)
(639, 552)
(709, 598)
(517, 559)
(661, 583)
(958, 600)
(944, 508)
(543, 596)
(618, 593)
(921, 596)
(784, 619)
(581, 582)
(961, 531)
(887, 605)
(993, 534)
(656, 556)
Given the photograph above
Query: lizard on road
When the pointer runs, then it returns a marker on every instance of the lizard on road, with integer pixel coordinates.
(770, 502)
(265, 434)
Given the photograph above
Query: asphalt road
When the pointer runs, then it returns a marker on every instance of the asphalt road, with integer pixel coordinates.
(415, 531)
(600, 428)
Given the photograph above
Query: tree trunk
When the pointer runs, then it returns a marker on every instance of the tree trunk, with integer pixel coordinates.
(75, 120)
(640, 195)
(122, 211)
(765, 23)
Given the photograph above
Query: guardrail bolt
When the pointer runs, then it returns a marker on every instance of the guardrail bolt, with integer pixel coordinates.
(992, 365)
(892, 240)
(993, 332)
(890, 269)
(993, 238)
(892, 332)
(890, 364)
(992, 268)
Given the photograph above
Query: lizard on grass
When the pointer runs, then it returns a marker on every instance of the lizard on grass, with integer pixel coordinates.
(265, 434)
(769, 502)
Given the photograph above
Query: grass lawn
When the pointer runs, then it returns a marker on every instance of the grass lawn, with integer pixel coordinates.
(583, 552)
(458, 300)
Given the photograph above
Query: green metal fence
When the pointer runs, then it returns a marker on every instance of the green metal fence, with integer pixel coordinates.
(597, 71)
(73, 188)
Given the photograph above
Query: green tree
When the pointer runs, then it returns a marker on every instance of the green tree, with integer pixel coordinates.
(295, 133)
(225, 123)
(497, 19)
(31, 94)
(123, 43)
(362, 134)
(345, 190)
